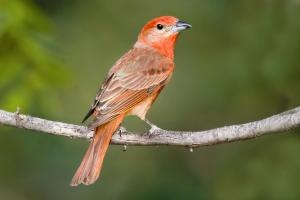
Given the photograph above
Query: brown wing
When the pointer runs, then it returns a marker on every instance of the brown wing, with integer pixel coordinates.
(134, 77)
(96, 101)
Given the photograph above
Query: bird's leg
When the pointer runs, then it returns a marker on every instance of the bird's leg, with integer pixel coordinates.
(154, 129)
(122, 130)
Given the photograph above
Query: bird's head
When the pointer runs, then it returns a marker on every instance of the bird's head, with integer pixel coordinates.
(161, 33)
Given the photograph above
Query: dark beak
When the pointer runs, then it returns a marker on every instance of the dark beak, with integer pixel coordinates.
(181, 25)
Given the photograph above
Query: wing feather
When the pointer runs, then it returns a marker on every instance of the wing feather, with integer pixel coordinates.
(137, 72)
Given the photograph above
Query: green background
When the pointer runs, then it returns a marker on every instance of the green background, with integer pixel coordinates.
(240, 62)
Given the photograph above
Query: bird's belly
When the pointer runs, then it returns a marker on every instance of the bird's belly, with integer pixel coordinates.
(141, 109)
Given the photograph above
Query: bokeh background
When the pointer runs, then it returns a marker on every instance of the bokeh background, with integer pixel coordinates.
(240, 62)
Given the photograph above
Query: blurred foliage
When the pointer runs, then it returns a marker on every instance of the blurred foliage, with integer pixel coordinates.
(28, 66)
(240, 62)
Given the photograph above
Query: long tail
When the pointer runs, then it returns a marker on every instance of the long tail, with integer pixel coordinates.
(90, 167)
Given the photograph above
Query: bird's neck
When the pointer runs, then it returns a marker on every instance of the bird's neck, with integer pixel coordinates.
(165, 46)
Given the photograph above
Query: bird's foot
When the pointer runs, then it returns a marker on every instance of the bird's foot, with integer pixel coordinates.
(154, 130)
(122, 130)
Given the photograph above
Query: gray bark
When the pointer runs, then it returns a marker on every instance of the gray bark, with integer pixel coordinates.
(276, 123)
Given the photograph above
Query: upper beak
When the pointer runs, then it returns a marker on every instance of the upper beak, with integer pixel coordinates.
(181, 25)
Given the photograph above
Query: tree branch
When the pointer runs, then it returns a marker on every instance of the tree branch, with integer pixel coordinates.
(277, 123)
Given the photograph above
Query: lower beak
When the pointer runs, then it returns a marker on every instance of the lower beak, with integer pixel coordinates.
(181, 25)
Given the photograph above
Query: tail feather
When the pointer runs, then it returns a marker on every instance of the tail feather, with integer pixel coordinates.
(90, 167)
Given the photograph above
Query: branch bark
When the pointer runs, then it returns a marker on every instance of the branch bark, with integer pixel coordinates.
(276, 123)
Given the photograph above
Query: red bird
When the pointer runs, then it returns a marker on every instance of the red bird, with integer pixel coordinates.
(131, 86)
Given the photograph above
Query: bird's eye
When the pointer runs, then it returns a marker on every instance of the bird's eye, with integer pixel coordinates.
(159, 26)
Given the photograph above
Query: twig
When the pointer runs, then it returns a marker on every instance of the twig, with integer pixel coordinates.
(276, 123)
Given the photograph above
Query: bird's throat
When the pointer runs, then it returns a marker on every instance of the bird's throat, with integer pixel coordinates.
(164, 46)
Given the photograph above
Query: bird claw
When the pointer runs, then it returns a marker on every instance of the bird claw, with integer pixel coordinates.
(122, 130)
(154, 131)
